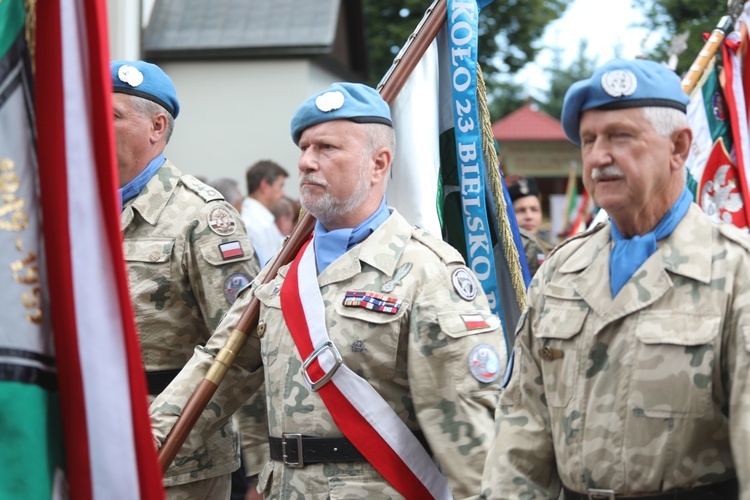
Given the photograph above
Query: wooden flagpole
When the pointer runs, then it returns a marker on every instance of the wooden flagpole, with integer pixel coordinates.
(725, 25)
(390, 86)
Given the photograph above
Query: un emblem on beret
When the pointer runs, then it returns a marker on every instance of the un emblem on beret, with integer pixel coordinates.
(130, 75)
(329, 101)
(619, 83)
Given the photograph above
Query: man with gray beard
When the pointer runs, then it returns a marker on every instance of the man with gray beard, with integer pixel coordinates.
(380, 353)
(630, 376)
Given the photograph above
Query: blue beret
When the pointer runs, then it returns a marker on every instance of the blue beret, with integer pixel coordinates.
(622, 84)
(145, 80)
(341, 101)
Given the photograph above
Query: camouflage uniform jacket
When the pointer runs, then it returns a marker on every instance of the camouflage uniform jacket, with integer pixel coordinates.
(417, 359)
(644, 393)
(532, 250)
(177, 278)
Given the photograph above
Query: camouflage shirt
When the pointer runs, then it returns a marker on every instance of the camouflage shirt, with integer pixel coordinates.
(644, 393)
(532, 250)
(186, 250)
(418, 359)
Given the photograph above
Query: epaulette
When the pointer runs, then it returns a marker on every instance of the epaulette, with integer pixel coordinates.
(735, 234)
(206, 192)
(578, 236)
(447, 253)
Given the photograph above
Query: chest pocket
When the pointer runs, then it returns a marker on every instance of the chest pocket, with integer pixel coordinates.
(558, 347)
(367, 338)
(149, 274)
(673, 369)
(271, 320)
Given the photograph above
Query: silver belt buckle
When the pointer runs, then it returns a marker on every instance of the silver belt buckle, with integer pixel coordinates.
(598, 494)
(325, 346)
(300, 461)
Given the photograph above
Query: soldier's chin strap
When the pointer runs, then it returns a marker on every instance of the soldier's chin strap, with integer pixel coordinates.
(361, 414)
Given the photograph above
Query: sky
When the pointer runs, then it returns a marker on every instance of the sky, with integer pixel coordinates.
(606, 24)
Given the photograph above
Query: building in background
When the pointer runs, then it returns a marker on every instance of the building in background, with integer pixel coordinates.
(533, 144)
(240, 69)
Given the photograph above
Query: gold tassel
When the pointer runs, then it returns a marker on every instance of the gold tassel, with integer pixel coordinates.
(494, 183)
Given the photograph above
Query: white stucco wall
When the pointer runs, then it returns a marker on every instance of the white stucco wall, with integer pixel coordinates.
(234, 113)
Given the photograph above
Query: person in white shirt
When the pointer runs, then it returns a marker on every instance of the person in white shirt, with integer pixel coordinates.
(265, 188)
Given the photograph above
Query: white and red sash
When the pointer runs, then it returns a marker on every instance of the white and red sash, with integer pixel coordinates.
(358, 410)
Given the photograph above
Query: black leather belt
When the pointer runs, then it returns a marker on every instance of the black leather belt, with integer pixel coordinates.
(158, 381)
(726, 490)
(316, 450)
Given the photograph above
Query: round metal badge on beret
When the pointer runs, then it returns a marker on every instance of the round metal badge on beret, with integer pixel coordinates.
(330, 101)
(233, 285)
(221, 221)
(130, 75)
(619, 83)
(464, 284)
(484, 363)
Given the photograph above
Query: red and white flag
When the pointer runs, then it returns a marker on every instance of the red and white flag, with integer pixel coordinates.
(109, 449)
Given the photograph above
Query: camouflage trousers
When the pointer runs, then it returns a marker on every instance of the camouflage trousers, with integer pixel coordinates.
(213, 488)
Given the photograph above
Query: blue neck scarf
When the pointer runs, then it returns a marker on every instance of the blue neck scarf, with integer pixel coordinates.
(134, 187)
(630, 254)
(330, 245)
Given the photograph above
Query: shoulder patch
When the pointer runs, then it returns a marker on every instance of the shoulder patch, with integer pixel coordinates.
(447, 253)
(578, 236)
(206, 192)
(735, 234)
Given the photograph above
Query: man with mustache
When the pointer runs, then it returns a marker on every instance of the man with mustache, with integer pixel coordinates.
(380, 354)
(630, 376)
(187, 255)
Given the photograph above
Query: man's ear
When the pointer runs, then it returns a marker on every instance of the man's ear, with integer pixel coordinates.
(682, 138)
(158, 127)
(382, 161)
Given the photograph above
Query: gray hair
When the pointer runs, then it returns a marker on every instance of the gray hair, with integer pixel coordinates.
(229, 188)
(378, 136)
(150, 109)
(665, 120)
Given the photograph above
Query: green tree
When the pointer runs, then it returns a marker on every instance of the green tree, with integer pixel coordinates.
(507, 32)
(674, 17)
(561, 78)
(505, 97)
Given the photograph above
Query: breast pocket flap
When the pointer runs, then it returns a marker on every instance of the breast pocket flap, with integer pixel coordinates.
(149, 250)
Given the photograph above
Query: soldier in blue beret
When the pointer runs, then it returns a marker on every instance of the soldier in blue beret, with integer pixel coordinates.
(632, 357)
(408, 354)
(187, 256)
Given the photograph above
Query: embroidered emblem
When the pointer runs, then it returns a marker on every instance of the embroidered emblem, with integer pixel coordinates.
(373, 301)
(130, 75)
(464, 284)
(330, 101)
(474, 321)
(484, 363)
(358, 346)
(221, 221)
(402, 271)
(233, 285)
(231, 250)
(619, 83)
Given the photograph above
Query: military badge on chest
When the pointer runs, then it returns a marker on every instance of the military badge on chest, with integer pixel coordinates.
(373, 301)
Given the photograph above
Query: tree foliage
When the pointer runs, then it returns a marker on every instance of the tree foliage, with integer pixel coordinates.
(674, 17)
(508, 30)
(561, 78)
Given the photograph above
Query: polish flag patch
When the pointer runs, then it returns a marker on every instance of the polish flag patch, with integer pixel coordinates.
(474, 321)
(231, 250)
